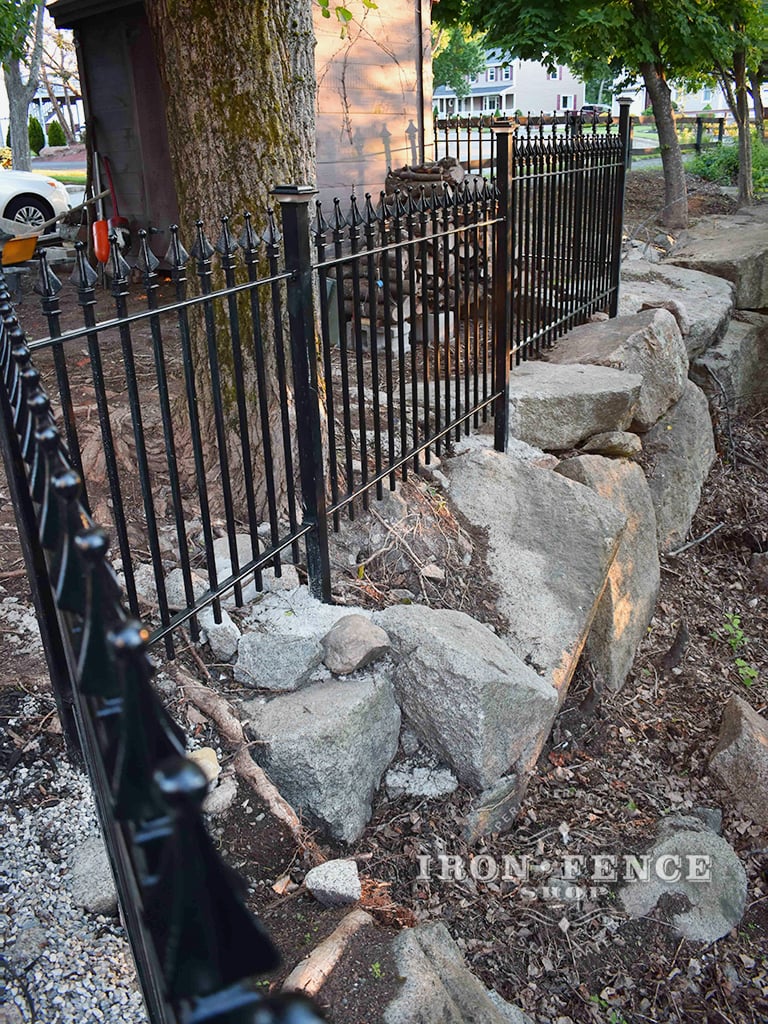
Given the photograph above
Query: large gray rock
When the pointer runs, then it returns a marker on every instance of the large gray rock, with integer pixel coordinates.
(93, 886)
(551, 544)
(701, 866)
(649, 344)
(629, 599)
(680, 451)
(353, 643)
(438, 986)
(465, 693)
(734, 248)
(732, 373)
(707, 300)
(740, 758)
(556, 406)
(271, 661)
(327, 747)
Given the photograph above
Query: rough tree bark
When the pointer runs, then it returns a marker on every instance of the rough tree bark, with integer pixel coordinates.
(240, 108)
(736, 88)
(21, 92)
(756, 80)
(675, 213)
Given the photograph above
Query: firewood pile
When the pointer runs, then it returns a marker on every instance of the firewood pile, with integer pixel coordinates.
(447, 171)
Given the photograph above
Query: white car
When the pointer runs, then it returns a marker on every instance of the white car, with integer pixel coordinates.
(31, 199)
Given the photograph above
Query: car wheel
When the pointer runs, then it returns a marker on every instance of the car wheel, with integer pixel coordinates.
(30, 210)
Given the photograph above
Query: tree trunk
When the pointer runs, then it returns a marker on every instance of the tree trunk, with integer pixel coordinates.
(746, 185)
(675, 214)
(755, 88)
(240, 108)
(20, 94)
(68, 134)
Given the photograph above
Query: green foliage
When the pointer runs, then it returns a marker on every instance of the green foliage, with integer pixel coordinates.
(721, 164)
(15, 17)
(36, 137)
(459, 57)
(376, 970)
(343, 14)
(732, 633)
(56, 136)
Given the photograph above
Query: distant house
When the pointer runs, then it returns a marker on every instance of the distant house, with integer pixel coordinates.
(373, 100)
(709, 99)
(508, 85)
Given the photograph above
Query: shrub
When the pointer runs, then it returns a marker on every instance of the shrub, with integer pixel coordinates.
(36, 137)
(722, 165)
(5, 157)
(56, 136)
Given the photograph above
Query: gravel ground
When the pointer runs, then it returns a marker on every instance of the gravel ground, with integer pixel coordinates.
(58, 965)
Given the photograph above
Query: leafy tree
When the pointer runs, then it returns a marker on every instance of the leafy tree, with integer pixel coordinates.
(458, 58)
(658, 40)
(36, 136)
(20, 55)
(738, 64)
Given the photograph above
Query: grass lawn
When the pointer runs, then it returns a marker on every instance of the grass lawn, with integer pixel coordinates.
(76, 177)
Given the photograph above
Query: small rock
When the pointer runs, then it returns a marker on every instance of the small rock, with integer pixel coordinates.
(495, 809)
(220, 799)
(10, 1014)
(223, 637)
(31, 942)
(144, 579)
(409, 779)
(353, 643)
(335, 883)
(433, 572)
(402, 595)
(614, 444)
(93, 886)
(701, 867)
(740, 758)
(274, 662)
(174, 587)
(206, 760)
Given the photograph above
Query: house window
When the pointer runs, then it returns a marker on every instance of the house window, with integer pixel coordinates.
(491, 103)
(707, 94)
(554, 75)
(491, 74)
(506, 73)
(566, 102)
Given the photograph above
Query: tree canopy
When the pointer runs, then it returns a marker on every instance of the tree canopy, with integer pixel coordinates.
(459, 56)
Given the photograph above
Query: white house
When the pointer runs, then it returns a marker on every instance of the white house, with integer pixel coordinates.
(509, 85)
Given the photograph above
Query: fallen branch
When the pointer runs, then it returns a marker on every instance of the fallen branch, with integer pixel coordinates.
(694, 542)
(312, 973)
(230, 729)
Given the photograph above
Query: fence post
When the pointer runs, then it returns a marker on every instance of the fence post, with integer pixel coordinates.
(294, 206)
(625, 134)
(699, 133)
(502, 280)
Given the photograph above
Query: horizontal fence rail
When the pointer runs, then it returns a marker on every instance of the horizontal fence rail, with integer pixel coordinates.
(194, 941)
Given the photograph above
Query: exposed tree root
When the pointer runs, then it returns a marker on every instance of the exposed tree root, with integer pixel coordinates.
(311, 974)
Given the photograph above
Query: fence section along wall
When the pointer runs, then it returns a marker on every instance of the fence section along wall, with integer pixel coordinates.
(204, 425)
(194, 941)
(566, 206)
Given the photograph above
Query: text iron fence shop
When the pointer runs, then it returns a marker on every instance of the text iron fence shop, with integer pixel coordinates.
(269, 385)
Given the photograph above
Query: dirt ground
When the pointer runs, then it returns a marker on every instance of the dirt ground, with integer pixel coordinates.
(615, 764)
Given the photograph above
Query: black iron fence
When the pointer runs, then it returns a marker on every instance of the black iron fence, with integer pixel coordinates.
(220, 425)
(194, 941)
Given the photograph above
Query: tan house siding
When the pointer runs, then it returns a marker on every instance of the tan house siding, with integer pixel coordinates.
(371, 107)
